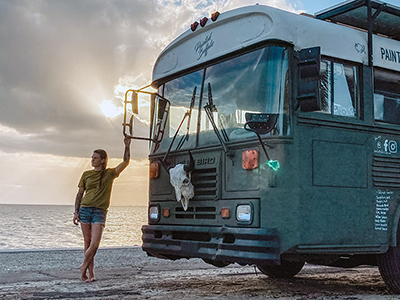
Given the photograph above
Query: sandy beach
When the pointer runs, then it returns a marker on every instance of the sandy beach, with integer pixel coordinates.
(127, 273)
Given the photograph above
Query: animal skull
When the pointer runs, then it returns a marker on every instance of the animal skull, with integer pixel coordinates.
(180, 179)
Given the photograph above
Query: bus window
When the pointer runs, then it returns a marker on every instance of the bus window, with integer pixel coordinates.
(340, 95)
(254, 82)
(387, 96)
(179, 92)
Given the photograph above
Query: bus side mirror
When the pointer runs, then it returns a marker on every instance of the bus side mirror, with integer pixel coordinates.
(260, 123)
(131, 108)
(308, 92)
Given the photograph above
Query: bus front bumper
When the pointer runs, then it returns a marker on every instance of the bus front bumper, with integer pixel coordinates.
(220, 244)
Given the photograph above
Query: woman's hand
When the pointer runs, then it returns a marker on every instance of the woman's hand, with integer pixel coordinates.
(76, 218)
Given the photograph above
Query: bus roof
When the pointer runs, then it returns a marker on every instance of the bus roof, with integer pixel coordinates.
(250, 25)
(354, 13)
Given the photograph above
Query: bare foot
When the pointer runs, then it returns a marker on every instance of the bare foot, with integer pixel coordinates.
(83, 271)
(91, 273)
(91, 277)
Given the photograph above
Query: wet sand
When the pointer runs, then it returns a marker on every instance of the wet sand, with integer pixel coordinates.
(128, 273)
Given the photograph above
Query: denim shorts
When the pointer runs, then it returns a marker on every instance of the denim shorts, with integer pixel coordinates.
(92, 215)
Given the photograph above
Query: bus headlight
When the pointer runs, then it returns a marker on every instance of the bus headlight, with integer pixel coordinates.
(154, 214)
(244, 213)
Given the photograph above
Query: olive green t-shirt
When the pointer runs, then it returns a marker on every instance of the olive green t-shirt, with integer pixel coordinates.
(96, 194)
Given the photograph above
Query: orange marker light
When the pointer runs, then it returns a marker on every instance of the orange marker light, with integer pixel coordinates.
(165, 212)
(225, 213)
(250, 159)
(203, 21)
(215, 16)
(194, 26)
(154, 171)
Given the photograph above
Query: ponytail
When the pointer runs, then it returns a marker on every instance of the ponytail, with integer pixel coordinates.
(104, 156)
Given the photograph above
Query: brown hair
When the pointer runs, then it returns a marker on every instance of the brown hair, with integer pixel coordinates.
(104, 156)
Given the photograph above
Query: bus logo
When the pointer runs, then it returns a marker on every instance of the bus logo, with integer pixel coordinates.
(202, 47)
(360, 48)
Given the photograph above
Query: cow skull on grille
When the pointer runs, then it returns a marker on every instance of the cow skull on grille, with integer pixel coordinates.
(180, 178)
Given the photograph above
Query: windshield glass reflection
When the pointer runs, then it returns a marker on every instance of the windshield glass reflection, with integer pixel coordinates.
(255, 82)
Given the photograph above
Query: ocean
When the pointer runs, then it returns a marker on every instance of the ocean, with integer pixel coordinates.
(51, 227)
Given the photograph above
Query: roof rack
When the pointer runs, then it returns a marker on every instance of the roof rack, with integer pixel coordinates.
(374, 16)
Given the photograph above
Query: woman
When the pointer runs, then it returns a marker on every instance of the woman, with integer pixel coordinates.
(92, 202)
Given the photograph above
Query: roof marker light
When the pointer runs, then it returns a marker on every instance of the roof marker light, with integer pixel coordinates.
(203, 21)
(194, 26)
(215, 16)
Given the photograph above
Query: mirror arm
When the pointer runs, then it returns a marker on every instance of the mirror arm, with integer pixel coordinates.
(139, 138)
(246, 127)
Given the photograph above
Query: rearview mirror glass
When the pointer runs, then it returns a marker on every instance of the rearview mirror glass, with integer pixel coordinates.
(135, 102)
(260, 123)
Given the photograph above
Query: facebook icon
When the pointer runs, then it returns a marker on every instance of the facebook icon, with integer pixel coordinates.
(390, 146)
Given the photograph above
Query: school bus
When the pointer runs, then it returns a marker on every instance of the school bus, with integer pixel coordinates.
(286, 132)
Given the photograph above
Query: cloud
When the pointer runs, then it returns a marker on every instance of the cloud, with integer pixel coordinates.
(60, 60)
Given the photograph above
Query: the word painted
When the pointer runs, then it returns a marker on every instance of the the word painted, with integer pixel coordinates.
(390, 55)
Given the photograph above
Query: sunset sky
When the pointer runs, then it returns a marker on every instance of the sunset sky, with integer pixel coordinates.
(64, 66)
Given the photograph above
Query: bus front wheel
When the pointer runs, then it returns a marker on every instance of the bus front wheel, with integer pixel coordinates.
(216, 263)
(287, 269)
(389, 267)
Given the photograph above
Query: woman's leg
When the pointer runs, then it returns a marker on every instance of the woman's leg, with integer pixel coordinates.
(87, 238)
(88, 263)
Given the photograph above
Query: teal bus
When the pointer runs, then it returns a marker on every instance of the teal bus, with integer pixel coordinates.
(275, 140)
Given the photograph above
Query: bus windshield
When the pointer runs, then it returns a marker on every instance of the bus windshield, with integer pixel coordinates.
(255, 82)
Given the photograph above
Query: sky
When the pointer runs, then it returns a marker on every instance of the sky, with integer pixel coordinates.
(64, 67)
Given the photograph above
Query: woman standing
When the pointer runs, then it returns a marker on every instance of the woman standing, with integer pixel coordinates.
(92, 202)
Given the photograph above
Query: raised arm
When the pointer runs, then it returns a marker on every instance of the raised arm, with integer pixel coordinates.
(127, 156)
(78, 200)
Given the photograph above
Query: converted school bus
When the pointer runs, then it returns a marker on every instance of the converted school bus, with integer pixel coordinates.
(292, 125)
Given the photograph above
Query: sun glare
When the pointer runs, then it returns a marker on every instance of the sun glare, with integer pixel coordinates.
(109, 109)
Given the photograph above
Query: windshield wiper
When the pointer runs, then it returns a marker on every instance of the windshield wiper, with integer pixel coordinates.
(210, 108)
(186, 137)
(187, 114)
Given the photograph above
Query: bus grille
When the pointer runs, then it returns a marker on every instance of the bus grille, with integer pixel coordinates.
(205, 184)
(386, 172)
(204, 213)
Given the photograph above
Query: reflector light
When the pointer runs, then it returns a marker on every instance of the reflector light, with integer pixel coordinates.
(274, 164)
(194, 26)
(203, 21)
(250, 159)
(225, 213)
(154, 170)
(165, 212)
(215, 16)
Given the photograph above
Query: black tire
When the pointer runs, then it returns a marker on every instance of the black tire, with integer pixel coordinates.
(216, 263)
(287, 269)
(389, 267)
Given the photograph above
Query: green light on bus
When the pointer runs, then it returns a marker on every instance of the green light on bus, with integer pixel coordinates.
(273, 164)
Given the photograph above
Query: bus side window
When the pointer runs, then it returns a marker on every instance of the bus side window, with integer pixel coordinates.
(387, 96)
(339, 88)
